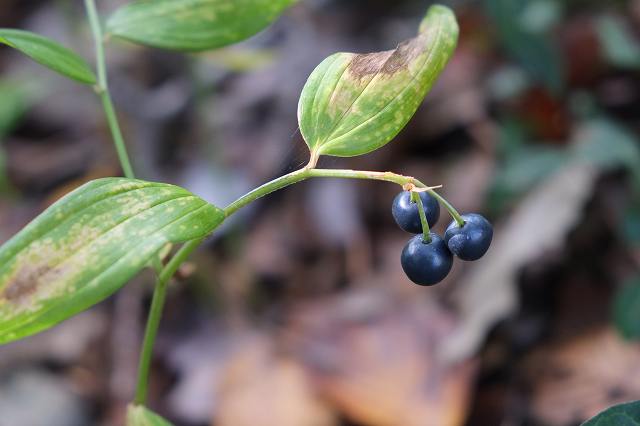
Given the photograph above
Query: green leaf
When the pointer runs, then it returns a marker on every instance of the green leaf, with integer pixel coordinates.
(137, 415)
(193, 25)
(607, 144)
(627, 414)
(49, 53)
(618, 43)
(88, 245)
(353, 104)
(626, 309)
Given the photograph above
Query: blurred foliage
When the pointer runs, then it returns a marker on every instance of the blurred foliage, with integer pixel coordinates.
(626, 310)
(599, 141)
(524, 29)
(17, 97)
(596, 133)
(627, 414)
(620, 47)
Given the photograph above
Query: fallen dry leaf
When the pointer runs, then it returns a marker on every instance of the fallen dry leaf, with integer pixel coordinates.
(261, 387)
(488, 293)
(574, 380)
(372, 355)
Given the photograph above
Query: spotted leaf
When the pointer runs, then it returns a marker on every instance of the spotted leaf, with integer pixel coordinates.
(88, 245)
(355, 103)
(193, 25)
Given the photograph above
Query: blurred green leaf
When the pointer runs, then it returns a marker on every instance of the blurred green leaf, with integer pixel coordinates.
(534, 51)
(13, 105)
(618, 42)
(626, 309)
(18, 95)
(522, 165)
(522, 171)
(355, 103)
(508, 82)
(607, 144)
(4, 180)
(49, 53)
(137, 415)
(513, 137)
(599, 141)
(193, 25)
(630, 229)
(89, 244)
(627, 414)
(241, 60)
(540, 15)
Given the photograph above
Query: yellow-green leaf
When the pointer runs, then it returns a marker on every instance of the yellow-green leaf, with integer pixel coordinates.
(137, 415)
(355, 103)
(193, 25)
(88, 245)
(49, 53)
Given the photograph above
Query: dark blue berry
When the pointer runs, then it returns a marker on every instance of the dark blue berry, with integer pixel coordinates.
(472, 240)
(406, 213)
(426, 263)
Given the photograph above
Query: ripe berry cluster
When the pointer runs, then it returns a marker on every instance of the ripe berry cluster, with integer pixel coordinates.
(427, 257)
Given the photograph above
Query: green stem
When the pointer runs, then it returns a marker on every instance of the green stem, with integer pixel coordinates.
(307, 172)
(102, 89)
(447, 205)
(155, 314)
(426, 233)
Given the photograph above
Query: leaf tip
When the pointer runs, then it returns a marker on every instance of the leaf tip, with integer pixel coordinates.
(438, 12)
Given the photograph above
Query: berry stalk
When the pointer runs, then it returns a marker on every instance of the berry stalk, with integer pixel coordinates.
(447, 205)
(426, 232)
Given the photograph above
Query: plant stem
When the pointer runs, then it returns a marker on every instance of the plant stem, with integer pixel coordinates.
(447, 205)
(306, 173)
(102, 89)
(426, 233)
(309, 172)
(155, 314)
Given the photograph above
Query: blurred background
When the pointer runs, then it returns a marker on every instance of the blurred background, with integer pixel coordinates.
(297, 313)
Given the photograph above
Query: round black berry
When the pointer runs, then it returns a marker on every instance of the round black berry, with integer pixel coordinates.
(406, 213)
(472, 240)
(426, 263)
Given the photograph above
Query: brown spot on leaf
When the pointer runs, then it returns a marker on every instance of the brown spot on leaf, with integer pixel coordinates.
(369, 63)
(26, 282)
(388, 62)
